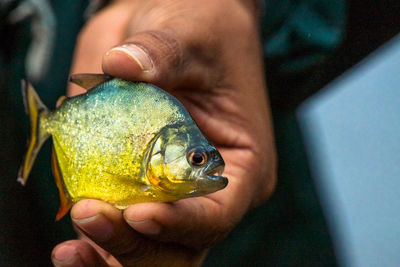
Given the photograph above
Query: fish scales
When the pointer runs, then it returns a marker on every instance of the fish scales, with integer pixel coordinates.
(90, 148)
(124, 143)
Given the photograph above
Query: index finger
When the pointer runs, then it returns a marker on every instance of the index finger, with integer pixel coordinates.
(105, 225)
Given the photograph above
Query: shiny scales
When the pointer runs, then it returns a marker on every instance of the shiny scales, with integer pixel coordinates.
(122, 142)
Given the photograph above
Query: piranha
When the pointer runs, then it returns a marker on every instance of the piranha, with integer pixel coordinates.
(121, 142)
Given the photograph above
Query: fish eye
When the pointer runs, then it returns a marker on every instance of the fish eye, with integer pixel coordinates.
(197, 157)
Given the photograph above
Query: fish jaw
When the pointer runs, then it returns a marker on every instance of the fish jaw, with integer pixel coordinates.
(210, 179)
(209, 184)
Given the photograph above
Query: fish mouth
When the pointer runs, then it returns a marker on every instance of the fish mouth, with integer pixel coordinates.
(211, 179)
(214, 171)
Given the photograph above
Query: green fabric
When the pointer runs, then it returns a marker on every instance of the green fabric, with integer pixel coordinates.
(301, 33)
(28, 230)
(289, 230)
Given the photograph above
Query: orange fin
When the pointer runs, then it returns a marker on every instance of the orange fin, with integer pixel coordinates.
(89, 80)
(65, 200)
(61, 100)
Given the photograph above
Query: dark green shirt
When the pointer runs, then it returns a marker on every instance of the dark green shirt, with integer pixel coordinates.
(288, 230)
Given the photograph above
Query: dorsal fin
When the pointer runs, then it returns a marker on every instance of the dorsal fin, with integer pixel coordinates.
(65, 200)
(89, 80)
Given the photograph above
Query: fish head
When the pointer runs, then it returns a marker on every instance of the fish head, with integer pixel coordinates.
(182, 163)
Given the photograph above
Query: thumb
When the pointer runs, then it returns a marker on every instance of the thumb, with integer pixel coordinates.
(157, 57)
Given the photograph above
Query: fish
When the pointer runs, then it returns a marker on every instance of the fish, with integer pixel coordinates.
(122, 142)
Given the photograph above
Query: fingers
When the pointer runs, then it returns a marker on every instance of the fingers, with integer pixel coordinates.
(76, 253)
(195, 223)
(106, 226)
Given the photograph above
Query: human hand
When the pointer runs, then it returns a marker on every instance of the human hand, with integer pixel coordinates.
(207, 54)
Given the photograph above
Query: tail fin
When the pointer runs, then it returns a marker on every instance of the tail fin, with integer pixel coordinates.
(36, 111)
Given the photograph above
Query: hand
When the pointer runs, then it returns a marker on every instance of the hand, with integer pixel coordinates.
(208, 55)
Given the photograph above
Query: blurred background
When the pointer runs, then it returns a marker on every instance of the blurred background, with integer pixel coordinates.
(350, 130)
(307, 44)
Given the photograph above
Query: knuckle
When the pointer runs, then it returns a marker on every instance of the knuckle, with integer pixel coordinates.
(161, 46)
(215, 234)
(240, 18)
(245, 22)
(168, 47)
(272, 179)
(200, 228)
(141, 254)
(268, 183)
(214, 231)
(130, 251)
(165, 51)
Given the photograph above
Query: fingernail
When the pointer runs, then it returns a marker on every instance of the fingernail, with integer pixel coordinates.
(147, 227)
(136, 53)
(97, 227)
(67, 256)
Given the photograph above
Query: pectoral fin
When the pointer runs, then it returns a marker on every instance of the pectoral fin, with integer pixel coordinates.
(89, 80)
(65, 200)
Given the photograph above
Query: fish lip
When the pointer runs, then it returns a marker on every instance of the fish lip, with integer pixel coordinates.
(219, 181)
(207, 184)
(211, 179)
(215, 166)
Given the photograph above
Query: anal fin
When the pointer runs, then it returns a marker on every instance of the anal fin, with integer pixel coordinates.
(65, 200)
(61, 100)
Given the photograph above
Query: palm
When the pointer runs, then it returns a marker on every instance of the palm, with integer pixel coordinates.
(241, 142)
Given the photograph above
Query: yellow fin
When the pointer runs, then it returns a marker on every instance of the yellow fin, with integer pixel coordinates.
(36, 111)
(89, 80)
(65, 200)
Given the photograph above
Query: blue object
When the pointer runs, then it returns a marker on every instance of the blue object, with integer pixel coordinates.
(352, 134)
